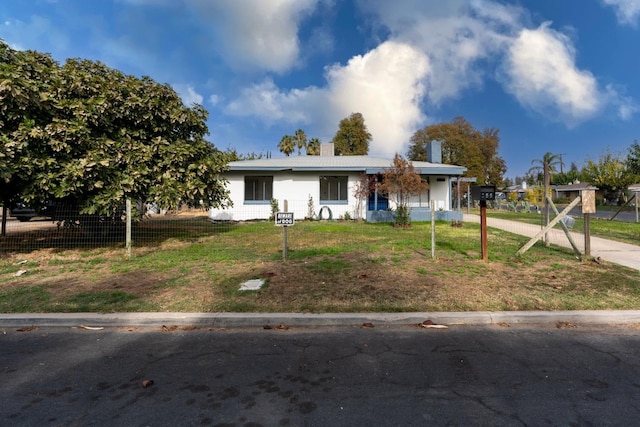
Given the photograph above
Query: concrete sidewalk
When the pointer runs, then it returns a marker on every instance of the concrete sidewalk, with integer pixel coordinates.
(608, 250)
(273, 320)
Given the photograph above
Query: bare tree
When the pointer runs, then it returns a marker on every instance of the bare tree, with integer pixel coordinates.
(400, 183)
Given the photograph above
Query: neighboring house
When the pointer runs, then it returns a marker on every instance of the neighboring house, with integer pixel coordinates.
(635, 189)
(328, 181)
(520, 190)
(571, 191)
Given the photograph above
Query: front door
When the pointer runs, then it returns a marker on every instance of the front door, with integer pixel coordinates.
(377, 202)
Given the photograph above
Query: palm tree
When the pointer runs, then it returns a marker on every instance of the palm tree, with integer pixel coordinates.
(300, 139)
(550, 159)
(313, 147)
(287, 145)
(548, 165)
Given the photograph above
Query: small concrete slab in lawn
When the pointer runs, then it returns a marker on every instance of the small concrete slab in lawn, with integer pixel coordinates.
(252, 285)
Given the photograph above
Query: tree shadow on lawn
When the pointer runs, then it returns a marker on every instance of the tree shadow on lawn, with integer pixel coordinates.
(148, 233)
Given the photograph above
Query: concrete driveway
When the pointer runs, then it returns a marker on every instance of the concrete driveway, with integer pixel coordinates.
(608, 250)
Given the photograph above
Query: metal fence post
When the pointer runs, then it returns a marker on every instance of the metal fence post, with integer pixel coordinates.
(128, 229)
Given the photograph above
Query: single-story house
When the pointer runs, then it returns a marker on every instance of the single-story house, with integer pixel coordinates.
(520, 190)
(571, 191)
(324, 185)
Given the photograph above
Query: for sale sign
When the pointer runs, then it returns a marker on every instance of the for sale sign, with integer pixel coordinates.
(284, 218)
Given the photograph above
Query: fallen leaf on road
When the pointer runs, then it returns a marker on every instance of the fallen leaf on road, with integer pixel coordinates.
(267, 327)
(92, 328)
(562, 325)
(282, 326)
(429, 324)
(27, 328)
(146, 383)
(367, 325)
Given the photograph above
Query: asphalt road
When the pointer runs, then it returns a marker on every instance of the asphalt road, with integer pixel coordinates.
(624, 216)
(348, 376)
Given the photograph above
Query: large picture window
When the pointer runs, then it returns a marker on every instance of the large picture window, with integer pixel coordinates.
(258, 188)
(333, 189)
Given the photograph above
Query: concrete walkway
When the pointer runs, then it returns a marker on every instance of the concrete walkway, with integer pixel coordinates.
(608, 250)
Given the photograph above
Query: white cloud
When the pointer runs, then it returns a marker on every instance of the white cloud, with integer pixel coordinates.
(626, 107)
(38, 33)
(255, 33)
(456, 35)
(214, 99)
(267, 101)
(541, 73)
(627, 11)
(188, 94)
(384, 85)
(434, 51)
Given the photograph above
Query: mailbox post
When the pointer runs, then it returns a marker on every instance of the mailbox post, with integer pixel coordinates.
(483, 193)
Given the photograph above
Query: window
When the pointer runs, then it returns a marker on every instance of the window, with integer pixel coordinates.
(258, 188)
(333, 189)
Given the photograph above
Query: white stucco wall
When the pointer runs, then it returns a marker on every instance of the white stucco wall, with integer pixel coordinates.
(296, 188)
(440, 192)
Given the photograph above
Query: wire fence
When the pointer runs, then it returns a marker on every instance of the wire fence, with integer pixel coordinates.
(66, 230)
(153, 228)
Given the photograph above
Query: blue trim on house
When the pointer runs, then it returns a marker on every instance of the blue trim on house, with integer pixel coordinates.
(416, 214)
(334, 202)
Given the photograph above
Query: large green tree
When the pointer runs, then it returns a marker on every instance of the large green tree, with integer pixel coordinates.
(352, 137)
(633, 159)
(568, 177)
(463, 145)
(610, 174)
(92, 136)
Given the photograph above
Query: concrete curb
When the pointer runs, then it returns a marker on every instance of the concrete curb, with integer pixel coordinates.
(240, 320)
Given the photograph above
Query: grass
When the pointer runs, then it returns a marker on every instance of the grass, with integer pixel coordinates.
(335, 266)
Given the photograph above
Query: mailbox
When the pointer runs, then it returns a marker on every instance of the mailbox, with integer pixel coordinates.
(483, 192)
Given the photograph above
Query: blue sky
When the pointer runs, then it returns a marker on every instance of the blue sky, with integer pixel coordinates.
(553, 75)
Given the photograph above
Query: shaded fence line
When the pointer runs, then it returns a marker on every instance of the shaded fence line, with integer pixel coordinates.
(152, 230)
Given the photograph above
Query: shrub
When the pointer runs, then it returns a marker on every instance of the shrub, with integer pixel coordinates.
(274, 208)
